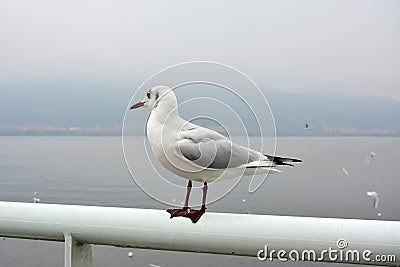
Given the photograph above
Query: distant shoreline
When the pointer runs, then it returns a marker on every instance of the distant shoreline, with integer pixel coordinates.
(120, 135)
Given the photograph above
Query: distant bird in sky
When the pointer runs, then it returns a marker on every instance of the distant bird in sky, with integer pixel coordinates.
(307, 127)
(375, 196)
(197, 153)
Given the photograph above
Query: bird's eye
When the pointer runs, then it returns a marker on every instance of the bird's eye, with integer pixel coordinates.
(148, 94)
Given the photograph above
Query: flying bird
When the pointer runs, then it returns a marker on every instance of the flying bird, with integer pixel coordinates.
(375, 196)
(197, 153)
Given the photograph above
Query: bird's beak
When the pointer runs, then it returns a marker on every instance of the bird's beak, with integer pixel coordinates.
(138, 105)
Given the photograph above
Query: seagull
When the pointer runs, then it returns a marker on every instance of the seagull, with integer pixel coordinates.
(197, 153)
(375, 196)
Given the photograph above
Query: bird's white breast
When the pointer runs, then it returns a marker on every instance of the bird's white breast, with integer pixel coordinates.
(162, 135)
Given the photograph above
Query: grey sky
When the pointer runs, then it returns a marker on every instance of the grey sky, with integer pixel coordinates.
(342, 46)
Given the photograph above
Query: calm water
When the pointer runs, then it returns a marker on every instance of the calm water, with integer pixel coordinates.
(92, 171)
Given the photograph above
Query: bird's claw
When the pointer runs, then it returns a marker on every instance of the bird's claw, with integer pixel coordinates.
(195, 215)
(178, 212)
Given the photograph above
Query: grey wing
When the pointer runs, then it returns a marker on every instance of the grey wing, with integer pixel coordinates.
(209, 149)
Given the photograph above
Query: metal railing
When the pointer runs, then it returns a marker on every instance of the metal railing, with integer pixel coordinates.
(261, 236)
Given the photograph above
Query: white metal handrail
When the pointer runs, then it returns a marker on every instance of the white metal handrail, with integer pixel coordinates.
(219, 233)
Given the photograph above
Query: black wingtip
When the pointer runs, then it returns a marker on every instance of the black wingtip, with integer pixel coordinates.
(283, 161)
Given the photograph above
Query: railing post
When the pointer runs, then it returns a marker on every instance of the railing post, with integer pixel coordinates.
(77, 254)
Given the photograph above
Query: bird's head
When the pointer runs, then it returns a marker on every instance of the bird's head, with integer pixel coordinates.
(158, 96)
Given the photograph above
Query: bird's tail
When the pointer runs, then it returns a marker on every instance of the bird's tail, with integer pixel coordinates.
(279, 161)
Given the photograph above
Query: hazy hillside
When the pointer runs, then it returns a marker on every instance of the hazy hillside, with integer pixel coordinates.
(101, 109)
(337, 110)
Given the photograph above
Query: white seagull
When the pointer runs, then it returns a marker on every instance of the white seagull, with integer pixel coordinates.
(375, 196)
(197, 153)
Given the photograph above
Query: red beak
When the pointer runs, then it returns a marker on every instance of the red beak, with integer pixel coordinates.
(137, 105)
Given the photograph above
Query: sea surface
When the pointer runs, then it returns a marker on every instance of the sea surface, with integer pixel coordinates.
(332, 181)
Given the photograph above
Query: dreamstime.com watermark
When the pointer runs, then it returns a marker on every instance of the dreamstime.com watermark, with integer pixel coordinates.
(337, 254)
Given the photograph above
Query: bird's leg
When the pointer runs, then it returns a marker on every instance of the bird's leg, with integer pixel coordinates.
(195, 215)
(184, 210)
(188, 189)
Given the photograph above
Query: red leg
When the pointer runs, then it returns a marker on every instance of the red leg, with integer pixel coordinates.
(183, 211)
(195, 215)
(188, 189)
